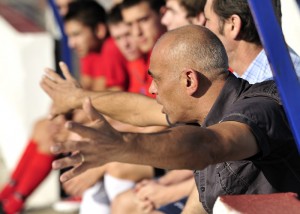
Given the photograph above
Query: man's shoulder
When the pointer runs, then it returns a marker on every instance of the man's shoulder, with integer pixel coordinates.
(265, 89)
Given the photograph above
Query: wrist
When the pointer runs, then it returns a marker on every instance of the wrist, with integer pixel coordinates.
(77, 98)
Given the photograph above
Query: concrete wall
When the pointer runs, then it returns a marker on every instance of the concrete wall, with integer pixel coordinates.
(291, 23)
(23, 57)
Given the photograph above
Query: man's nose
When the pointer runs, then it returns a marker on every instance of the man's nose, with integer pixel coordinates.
(136, 29)
(153, 88)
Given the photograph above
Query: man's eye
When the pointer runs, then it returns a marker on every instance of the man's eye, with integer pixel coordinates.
(144, 19)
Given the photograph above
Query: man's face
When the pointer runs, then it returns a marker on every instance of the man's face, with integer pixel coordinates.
(166, 85)
(81, 38)
(145, 25)
(213, 23)
(120, 32)
(175, 15)
(62, 6)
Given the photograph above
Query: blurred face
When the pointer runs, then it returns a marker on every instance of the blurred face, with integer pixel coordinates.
(144, 24)
(121, 34)
(175, 15)
(62, 6)
(81, 38)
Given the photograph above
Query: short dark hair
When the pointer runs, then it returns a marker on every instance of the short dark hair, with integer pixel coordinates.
(155, 5)
(225, 8)
(114, 16)
(193, 7)
(89, 13)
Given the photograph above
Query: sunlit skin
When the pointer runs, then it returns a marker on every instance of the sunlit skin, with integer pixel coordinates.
(145, 25)
(120, 32)
(175, 15)
(169, 88)
(81, 38)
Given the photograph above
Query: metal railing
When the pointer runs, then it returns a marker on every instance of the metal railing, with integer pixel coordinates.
(279, 58)
(64, 49)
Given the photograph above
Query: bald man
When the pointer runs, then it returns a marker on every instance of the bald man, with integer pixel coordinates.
(244, 144)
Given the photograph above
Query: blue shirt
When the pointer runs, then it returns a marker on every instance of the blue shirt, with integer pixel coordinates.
(260, 70)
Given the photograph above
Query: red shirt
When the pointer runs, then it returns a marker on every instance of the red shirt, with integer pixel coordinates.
(139, 80)
(109, 62)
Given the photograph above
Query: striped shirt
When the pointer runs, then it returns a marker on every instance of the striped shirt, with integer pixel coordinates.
(260, 70)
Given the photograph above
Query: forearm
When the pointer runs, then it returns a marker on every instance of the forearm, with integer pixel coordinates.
(131, 108)
(164, 149)
(175, 176)
(190, 147)
(126, 107)
(180, 190)
(76, 99)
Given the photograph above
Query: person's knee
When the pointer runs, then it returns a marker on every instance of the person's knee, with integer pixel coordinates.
(40, 135)
(123, 203)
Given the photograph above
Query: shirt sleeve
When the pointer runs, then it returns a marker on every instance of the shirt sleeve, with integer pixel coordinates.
(267, 121)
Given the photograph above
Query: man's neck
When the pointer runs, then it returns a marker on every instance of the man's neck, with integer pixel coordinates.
(243, 55)
(206, 101)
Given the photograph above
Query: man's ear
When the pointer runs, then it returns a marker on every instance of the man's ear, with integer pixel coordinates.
(191, 81)
(101, 31)
(199, 19)
(234, 25)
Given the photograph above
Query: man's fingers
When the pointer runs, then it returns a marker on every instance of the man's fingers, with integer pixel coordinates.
(45, 86)
(52, 115)
(91, 112)
(53, 76)
(65, 70)
(68, 146)
(49, 82)
(73, 160)
(147, 206)
(73, 172)
(83, 131)
(142, 183)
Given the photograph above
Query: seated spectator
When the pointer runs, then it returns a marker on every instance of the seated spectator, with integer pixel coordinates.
(102, 65)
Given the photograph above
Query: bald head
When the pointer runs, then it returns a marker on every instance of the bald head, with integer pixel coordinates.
(192, 47)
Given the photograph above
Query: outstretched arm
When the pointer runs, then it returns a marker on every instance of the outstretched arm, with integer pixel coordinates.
(182, 147)
(126, 107)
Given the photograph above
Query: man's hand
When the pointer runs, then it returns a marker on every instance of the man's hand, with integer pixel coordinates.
(61, 91)
(99, 145)
(154, 192)
(78, 185)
